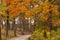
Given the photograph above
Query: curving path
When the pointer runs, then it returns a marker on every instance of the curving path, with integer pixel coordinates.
(22, 37)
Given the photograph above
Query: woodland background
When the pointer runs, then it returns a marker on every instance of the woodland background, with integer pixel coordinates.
(41, 18)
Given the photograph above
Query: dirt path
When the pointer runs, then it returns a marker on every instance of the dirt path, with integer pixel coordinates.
(22, 37)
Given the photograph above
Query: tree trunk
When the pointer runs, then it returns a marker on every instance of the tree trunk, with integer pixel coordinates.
(7, 24)
(2, 25)
(14, 27)
(22, 26)
(0, 31)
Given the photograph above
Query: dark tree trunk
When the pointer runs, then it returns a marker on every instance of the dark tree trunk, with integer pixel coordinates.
(0, 32)
(2, 25)
(7, 27)
(22, 26)
(7, 24)
(14, 27)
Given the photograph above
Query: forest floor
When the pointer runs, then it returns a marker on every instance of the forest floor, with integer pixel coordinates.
(11, 35)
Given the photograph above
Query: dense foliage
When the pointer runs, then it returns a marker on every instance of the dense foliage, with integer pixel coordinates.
(40, 35)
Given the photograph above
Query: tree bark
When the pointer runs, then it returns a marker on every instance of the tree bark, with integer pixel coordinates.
(7, 24)
(0, 31)
(14, 27)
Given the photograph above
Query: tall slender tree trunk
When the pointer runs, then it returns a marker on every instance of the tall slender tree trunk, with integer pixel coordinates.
(7, 21)
(0, 31)
(7, 24)
(0, 26)
(22, 25)
(14, 27)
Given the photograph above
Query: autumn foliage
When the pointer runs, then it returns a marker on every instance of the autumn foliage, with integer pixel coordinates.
(43, 12)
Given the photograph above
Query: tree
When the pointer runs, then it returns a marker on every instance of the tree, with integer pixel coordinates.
(38, 10)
